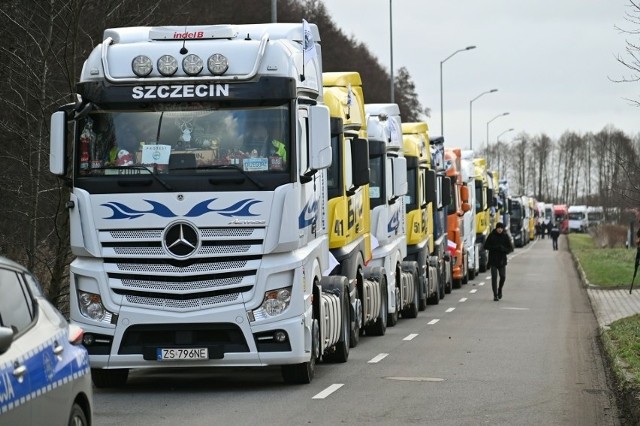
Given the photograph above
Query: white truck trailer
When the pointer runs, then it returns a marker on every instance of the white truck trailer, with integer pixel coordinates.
(199, 240)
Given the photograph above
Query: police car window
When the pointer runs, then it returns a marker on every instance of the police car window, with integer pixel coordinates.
(16, 306)
(34, 285)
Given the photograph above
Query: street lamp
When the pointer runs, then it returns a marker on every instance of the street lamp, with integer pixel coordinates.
(489, 122)
(442, 62)
(506, 131)
(471, 115)
(391, 46)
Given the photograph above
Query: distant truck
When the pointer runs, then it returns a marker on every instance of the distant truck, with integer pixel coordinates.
(518, 228)
(561, 213)
(595, 215)
(458, 206)
(577, 218)
(471, 245)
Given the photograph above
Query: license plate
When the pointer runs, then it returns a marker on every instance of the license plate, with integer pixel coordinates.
(178, 354)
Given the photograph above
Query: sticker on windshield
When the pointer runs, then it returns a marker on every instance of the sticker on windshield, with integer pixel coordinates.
(255, 164)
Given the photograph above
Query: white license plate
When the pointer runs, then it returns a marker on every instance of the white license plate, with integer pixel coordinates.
(182, 354)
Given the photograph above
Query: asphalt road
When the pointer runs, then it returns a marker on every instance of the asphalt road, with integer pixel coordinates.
(530, 359)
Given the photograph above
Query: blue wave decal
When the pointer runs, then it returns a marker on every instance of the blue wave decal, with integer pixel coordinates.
(239, 209)
(308, 214)
(200, 208)
(393, 224)
(121, 211)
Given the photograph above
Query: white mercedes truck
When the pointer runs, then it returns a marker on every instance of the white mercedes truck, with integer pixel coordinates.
(198, 201)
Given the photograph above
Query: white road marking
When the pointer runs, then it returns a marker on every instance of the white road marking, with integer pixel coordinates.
(464, 299)
(433, 321)
(481, 283)
(410, 337)
(328, 391)
(516, 309)
(488, 277)
(450, 310)
(416, 379)
(378, 358)
(473, 291)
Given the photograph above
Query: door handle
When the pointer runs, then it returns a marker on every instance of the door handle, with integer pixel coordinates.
(58, 350)
(19, 372)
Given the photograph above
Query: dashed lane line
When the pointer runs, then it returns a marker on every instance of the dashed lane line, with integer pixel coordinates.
(450, 310)
(473, 291)
(464, 299)
(488, 277)
(376, 359)
(328, 391)
(433, 321)
(481, 283)
(410, 337)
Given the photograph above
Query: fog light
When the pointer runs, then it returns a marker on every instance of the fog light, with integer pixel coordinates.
(280, 336)
(88, 339)
(192, 64)
(142, 65)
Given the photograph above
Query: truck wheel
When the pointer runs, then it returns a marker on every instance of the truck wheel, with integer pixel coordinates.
(303, 373)
(392, 319)
(379, 328)
(472, 273)
(456, 283)
(77, 416)
(109, 378)
(411, 311)
(434, 299)
(356, 321)
(341, 349)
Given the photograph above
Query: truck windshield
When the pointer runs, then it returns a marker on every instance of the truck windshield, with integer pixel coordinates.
(576, 216)
(516, 211)
(183, 139)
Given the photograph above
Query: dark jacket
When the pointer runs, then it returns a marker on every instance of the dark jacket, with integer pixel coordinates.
(555, 232)
(498, 245)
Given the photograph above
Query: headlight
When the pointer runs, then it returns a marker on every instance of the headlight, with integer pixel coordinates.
(167, 65)
(192, 64)
(91, 306)
(217, 64)
(274, 303)
(142, 65)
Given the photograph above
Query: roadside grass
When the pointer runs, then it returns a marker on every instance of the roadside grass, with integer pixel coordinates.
(605, 267)
(623, 346)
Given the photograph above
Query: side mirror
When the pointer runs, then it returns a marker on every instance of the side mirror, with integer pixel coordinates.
(6, 339)
(400, 186)
(464, 194)
(319, 137)
(431, 186)
(360, 162)
(57, 147)
(446, 192)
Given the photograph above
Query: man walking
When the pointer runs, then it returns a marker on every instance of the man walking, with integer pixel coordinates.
(555, 234)
(499, 245)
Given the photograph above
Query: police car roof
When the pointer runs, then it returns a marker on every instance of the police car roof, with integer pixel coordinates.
(8, 263)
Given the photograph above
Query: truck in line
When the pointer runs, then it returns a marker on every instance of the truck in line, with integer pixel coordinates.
(194, 247)
(458, 206)
(472, 248)
(483, 209)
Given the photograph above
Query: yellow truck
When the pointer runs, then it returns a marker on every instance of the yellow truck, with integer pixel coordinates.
(348, 207)
(484, 195)
(419, 201)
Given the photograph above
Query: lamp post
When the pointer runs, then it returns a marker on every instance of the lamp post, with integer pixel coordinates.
(471, 115)
(489, 122)
(442, 62)
(498, 137)
(391, 46)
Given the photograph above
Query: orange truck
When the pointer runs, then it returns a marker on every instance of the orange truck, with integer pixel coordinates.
(458, 205)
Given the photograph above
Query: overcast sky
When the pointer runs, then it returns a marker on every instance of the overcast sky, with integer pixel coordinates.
(551, 61)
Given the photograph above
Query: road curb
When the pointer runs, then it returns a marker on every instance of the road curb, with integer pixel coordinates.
(626, 389)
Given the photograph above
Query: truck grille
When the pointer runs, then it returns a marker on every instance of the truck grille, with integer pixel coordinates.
(222, 269)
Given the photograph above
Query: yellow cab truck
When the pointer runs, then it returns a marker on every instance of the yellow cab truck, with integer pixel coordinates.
(388, 170)
(441, 256)
(533, 218)
(419, 201)
(483, 208)
(348, 209)
(458, 206)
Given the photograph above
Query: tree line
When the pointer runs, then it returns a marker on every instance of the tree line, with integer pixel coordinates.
(591, 168)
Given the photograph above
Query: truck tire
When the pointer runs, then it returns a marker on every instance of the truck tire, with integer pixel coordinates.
(303, 373)
(356, 319)
(392, 318)
(379, 327)
(411, 311)
(114, 378)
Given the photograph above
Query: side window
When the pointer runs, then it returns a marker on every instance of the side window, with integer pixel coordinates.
(303, 126)
(16, 306)
(34, 285)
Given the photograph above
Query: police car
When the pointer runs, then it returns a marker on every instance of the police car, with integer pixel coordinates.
(44, 372)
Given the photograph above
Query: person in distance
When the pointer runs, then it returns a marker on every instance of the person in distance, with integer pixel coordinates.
(498, 244)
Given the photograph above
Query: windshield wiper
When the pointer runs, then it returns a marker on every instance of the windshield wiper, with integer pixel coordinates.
(147, 169)
(231, 167)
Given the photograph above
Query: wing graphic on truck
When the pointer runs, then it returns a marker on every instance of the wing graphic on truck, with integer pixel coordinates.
(239, 209)
(121, 211)
(308, 214)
